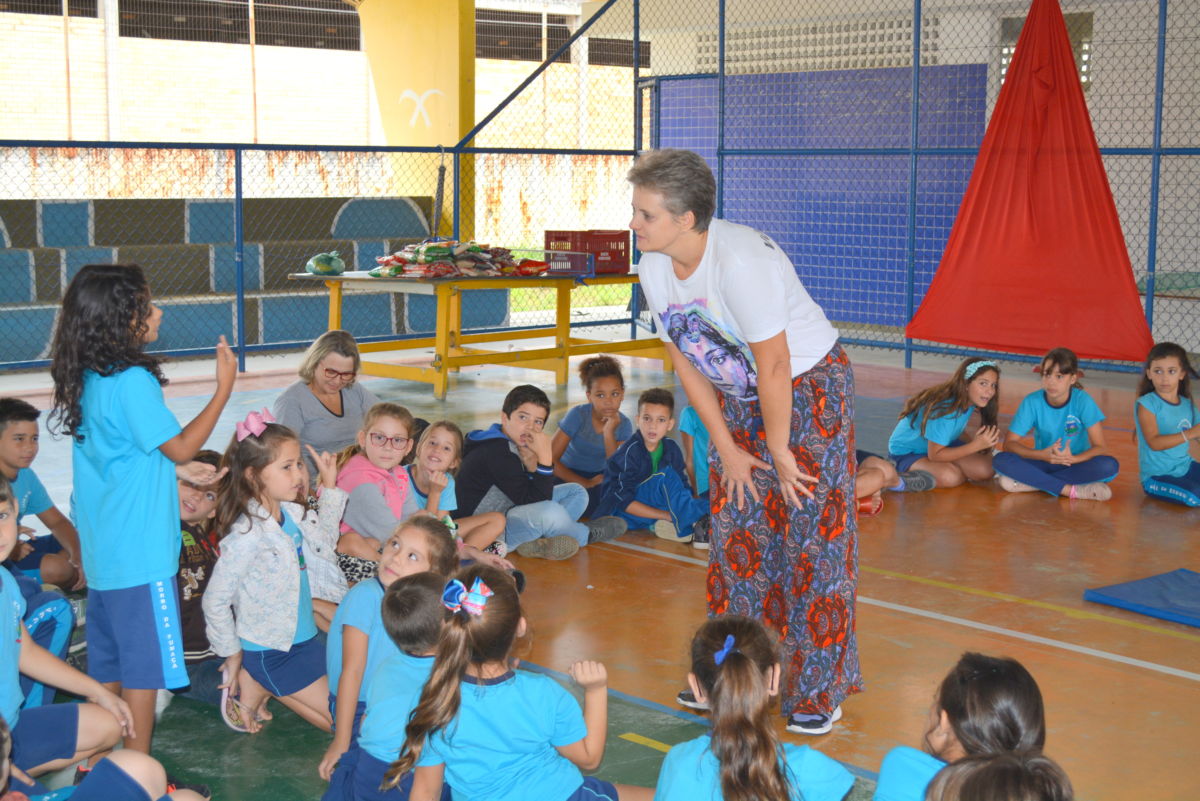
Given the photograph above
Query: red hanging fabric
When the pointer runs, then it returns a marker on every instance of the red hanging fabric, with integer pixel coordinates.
(1036, 258)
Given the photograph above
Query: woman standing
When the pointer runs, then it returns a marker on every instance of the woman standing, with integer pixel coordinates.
(762, 366)
(326, 406)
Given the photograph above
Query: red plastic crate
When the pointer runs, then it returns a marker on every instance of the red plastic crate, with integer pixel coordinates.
(610, 249)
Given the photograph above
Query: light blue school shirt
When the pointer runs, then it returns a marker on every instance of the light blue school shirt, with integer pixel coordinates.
(906, 436)
(30, 494)
(415, 502)
(691, 772)
(501, 746)
(12, 612)
(393, 690)
(306, 626)
(360, 609)
(585, 451)
(1069, 422)
(905, 773)
(126, 500)
(690, 424)
(1172, 418)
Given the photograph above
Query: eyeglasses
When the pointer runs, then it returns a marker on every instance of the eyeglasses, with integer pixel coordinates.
(330, 373)
(379, 440)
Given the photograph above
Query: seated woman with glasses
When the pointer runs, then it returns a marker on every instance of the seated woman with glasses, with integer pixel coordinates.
(326, 407)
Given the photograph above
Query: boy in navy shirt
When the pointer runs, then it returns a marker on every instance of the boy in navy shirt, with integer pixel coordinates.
(645, 481)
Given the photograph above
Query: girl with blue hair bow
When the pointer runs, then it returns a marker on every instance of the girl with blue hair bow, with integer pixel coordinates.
(930, 433)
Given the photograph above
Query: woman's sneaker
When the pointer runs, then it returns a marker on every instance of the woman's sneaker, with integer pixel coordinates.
(917, 481)
(700, 534)
(558, 547)
(665, 530)
(813, 724)
(688, 698)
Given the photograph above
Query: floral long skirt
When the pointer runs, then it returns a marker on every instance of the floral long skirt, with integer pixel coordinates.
(796, 568)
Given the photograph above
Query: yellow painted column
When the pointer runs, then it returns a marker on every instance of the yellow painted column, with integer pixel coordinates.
(422, 59)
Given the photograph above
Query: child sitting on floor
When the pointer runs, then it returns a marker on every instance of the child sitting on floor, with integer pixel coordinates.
(645, 481)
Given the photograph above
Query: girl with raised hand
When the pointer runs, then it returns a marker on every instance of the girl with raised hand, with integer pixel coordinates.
(259, 603)
(1168, 421)
(1055, 442)
(496, 734)
(128, 451)
(929, 434)
(736, 670)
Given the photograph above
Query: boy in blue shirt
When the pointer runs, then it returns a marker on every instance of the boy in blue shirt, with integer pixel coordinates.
(50, 559)
(645, 481)
(50, 737)
(53, 559)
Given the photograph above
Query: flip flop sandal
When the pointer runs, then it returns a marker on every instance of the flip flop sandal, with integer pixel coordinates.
(869, 507)
(231, 708)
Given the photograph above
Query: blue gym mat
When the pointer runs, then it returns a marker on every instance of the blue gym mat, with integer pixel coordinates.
(1170, 596)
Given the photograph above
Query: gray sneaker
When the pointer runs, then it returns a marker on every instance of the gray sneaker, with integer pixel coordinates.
(603, 529)
(917, 481)
(562, 546)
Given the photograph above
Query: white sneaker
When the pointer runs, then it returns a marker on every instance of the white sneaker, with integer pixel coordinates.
(1008, 485)
(813, 724)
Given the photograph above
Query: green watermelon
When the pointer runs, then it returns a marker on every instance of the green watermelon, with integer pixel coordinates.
(326, 264)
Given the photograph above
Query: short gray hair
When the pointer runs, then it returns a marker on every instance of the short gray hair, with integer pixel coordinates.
(684, 180)
(335, 341)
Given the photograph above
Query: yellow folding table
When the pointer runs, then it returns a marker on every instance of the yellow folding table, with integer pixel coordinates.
(454, 349)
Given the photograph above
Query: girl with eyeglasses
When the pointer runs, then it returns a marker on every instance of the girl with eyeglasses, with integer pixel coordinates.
(327, 405)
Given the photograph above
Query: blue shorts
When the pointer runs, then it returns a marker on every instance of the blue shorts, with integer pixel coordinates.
(44, 734)
(905, 461)
(594, 789)
(107, 782)
(134, 636)
(42, 546)
(286, 672)
(368, 775)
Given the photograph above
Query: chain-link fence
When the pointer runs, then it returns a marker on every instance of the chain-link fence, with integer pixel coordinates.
(847, 131)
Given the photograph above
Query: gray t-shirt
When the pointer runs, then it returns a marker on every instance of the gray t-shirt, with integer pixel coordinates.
(298, 409)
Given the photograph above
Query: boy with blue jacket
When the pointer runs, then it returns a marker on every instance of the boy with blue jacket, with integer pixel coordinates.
(646, 483)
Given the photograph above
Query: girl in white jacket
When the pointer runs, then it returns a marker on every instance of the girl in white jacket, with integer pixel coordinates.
(259, 604)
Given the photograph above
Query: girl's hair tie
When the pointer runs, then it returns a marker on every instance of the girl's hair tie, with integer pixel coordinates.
(254, 424)
(725, 650)
(975, 367)
(456, 597)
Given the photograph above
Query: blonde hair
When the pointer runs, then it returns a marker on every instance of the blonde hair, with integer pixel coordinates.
(381, 409)
(453, 430)
(336, 341)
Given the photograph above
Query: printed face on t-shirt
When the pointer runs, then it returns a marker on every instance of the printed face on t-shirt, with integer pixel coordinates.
(18, 446)
(717, 354)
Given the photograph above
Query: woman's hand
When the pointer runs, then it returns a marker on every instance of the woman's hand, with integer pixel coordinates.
(738, 466)
(326, 466)
(791, 480)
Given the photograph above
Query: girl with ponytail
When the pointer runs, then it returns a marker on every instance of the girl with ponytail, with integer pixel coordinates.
(496, 734)
(735, 668)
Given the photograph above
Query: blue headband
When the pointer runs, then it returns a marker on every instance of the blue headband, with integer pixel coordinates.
(975, 367)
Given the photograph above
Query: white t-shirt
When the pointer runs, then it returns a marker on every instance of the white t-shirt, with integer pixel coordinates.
(745, 290)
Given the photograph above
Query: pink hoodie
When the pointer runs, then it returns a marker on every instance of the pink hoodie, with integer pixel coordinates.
(392, 483)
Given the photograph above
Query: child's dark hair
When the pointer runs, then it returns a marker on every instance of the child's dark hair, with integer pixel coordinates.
(6, 493)
(452, 429)
(236, 489)
(993, 705)
(381, 409)
(1024, 776)
(15, 410)
(101, 327)
(1167, 350)
(466, 639)
(1064, 360)
(525, 393)
(732, 658)
(659, 397)
(443, 553)
(413, 612)
(950, 397)
(600, 367)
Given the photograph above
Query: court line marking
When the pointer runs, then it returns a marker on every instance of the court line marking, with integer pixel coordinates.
(646, 741)
(1020, 635)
